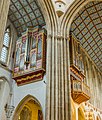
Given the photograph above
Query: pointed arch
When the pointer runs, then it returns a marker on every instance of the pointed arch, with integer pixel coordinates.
(43, 13)
(50, 16)
(5, 79)
(70, 13)
(22, 103)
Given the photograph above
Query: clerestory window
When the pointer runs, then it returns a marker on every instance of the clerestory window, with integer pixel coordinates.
(6, 46)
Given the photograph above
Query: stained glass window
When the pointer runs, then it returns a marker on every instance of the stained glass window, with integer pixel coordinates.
(5, 48)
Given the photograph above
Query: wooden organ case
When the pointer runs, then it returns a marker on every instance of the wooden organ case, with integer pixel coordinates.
(30, 57)
(79, 90)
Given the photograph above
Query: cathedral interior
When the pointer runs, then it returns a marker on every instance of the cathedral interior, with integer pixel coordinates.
(51, 60)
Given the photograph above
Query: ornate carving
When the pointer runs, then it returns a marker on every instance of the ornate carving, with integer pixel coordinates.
(80, 91)
(30, 63)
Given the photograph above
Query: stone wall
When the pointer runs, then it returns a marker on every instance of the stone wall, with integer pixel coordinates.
(6, 71)
(4, 8)
(93, 80)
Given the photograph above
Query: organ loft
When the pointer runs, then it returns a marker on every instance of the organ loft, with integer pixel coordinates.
(50, 59)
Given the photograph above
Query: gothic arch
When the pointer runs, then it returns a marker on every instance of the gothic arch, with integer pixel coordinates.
(22, 103)
(49, 15)
(5, 79)
(70, 13)
(48, 12)
(69, 17)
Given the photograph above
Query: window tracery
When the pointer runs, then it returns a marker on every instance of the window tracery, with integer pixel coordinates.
(6, 46)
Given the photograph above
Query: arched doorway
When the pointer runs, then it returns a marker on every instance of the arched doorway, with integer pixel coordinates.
(28, 109)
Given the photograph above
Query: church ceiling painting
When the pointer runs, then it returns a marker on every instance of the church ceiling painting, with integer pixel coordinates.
(23, 13)
(87, 27)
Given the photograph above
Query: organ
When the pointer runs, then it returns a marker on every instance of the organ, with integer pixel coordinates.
(80, 92)
(30, 56)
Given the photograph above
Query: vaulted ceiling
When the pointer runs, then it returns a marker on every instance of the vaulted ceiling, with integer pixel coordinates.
(87, 27)
(23, 13)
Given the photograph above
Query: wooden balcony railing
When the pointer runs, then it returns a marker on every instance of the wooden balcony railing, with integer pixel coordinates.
(80, 91)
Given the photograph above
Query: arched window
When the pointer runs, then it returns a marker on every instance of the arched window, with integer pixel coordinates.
(6, 45)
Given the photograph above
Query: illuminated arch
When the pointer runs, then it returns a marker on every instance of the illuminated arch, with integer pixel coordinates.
(23, 103)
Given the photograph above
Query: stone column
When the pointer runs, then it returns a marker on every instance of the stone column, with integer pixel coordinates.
(4, 8)
(76, 113)
(58, 79)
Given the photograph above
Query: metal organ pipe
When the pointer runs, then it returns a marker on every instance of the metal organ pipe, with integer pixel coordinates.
(28, 51)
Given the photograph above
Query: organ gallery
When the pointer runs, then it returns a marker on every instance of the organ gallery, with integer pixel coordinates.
(50, 59)
(30, 56)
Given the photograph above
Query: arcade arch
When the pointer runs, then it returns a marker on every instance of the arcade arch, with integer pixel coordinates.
(29, 108)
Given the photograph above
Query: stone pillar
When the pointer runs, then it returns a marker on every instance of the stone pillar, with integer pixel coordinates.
(58, 79)
(76, 113)
(4, 8)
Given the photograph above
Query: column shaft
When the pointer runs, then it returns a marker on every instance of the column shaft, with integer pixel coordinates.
(58, 85)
